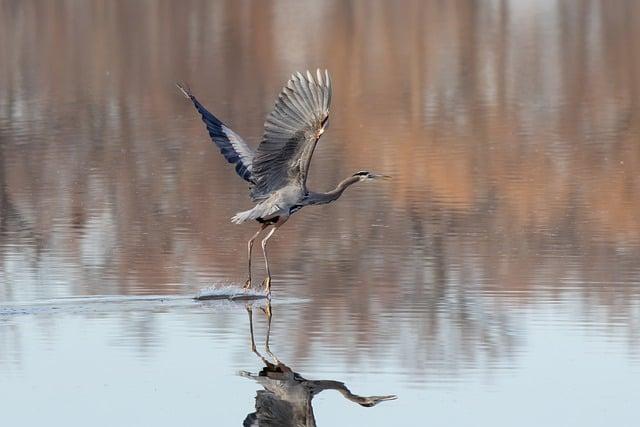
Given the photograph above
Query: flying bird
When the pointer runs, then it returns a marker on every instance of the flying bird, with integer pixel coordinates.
(286, 399)
(277, 169)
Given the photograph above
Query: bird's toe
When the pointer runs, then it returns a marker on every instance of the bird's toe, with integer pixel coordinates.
(266, 285)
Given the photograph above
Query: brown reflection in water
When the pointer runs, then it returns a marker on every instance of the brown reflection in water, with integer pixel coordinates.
(510, 128)
(286, 398)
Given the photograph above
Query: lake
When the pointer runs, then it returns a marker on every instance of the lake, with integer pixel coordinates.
(495, 280)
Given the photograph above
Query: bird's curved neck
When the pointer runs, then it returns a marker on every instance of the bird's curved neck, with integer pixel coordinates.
(321, 385)
(330, 196)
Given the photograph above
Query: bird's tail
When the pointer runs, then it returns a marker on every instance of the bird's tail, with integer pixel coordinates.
(241, 217)
(261, 210)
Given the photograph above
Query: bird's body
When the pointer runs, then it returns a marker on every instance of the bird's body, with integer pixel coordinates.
(280, 204)
(286, 398)
(277, 170)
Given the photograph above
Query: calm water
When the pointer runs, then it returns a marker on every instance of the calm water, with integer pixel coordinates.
(494, 281)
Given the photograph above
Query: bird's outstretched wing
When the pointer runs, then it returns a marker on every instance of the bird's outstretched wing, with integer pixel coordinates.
(291, 132)
(231, 145)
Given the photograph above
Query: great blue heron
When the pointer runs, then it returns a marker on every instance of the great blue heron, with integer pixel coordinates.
(286, 398)
(277, 169)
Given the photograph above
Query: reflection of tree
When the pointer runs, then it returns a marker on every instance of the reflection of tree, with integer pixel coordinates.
(286, 396)
(510, 128)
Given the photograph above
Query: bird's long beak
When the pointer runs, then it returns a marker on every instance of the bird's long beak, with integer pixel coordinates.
(374, 400)
(383, 398)
(380, 176)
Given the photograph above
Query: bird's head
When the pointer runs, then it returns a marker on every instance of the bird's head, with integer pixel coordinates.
(374, 400)
(370, 176)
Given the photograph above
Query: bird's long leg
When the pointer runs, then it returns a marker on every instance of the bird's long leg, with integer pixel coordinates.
(253, 341)
(267, 281)
(267, 312)
(247, 284)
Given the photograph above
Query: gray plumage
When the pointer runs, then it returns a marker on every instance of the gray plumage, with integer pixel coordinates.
(291, 133)
(277, 170)
(286, 398)
(231, 145)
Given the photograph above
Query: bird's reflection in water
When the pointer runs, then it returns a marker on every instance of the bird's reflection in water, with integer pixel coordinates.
(286, 396)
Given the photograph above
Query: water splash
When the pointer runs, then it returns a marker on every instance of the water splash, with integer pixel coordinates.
(231, 292)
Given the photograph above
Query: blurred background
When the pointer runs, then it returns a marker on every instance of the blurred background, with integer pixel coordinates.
(511, 129)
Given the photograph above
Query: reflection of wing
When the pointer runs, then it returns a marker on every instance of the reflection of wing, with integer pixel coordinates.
(272, 410)
(231, 145)
(292, 130)
(287, 396)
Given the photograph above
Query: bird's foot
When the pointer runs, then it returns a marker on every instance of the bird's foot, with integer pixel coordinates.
(267, 310)
(247, 284)
(266, 285)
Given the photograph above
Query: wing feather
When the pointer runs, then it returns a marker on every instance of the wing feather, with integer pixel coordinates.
(291, 133)
(289, 96)
(231, 145)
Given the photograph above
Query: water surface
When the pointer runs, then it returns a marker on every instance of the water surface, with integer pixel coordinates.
(495, 280)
